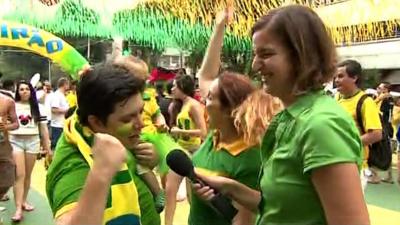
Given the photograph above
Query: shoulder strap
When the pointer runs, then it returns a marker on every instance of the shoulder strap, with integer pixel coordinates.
(358, 112)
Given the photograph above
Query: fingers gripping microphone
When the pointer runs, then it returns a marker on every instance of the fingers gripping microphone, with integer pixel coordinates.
(180, 163)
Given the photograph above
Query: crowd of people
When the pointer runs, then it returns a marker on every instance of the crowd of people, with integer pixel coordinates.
(283, 153)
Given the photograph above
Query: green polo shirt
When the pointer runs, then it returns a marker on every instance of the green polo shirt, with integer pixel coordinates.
(313, 132)
(236, 160)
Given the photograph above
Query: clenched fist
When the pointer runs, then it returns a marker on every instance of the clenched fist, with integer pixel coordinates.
(109, 153)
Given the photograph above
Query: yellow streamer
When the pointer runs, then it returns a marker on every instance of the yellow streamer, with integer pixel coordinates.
(346, 22)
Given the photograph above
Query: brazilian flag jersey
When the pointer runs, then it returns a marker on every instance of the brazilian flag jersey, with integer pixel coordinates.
(185, 122)
(66, 177)
(236, 160)
(150, 111)
(162, 142)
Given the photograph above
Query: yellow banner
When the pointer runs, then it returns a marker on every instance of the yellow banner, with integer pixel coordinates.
(32, 39)
(42, 43)
(355, 12)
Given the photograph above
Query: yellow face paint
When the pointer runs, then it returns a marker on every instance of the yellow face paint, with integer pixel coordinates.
(125, 129)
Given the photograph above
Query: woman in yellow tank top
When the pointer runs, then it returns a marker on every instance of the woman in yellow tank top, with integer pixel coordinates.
(184, 122)
(189, 127)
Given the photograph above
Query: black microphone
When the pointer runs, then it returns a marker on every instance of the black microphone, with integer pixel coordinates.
(181, 164)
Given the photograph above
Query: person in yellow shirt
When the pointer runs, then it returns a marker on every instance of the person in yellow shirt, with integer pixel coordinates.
(153, 122)
(396, 124)
(347, 81)
(71, 95)
(385, 103)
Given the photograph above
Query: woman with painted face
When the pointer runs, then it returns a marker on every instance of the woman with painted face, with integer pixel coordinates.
(311, 152)
(25, 142)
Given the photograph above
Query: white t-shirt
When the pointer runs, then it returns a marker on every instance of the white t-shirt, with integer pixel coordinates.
(58, 100)
(27, 124)
(47, 106)
(39, 94)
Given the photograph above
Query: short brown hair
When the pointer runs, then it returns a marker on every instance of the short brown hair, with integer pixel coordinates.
(312, 51)
(387, 85)
(234, 88)
(353, 70)
(62, 81)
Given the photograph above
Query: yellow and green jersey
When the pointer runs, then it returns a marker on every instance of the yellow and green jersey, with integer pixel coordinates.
(236, 160)
(150, 91)
(185, 122)
(150, 111)
(72, 99)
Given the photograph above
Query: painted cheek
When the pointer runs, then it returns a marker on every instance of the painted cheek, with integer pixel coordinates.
(125, 130)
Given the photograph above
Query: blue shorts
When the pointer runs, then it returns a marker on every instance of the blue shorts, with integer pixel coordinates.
(55, 135)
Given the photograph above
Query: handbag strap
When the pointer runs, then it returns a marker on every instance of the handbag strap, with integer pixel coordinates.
(358, 113)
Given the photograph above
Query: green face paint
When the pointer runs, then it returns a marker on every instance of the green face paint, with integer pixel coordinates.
(125, 130)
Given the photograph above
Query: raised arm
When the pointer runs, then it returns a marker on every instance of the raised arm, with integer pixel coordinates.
(212, 59)
(135, 65)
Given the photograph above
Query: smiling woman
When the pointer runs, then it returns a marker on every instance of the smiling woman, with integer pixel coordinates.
(305, 177)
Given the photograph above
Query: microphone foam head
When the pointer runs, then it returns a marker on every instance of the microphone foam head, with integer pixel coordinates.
(180, 163)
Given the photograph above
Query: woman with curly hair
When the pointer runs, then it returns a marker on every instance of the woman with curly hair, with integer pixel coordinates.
(238, 114)
(311, 152)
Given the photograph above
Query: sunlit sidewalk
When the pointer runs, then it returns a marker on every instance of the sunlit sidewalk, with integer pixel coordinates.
(383, 203)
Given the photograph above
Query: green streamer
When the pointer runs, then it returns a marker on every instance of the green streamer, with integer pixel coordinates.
(145, 25)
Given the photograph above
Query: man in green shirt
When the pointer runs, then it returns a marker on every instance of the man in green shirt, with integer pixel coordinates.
(92, 178)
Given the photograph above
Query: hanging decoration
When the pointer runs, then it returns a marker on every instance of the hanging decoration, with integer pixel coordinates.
(49, 2)
(187, 24)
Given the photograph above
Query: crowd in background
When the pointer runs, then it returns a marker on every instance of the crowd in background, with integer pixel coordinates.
(223, 123)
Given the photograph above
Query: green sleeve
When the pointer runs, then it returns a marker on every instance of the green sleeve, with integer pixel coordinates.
(329, 139)
(247, 167)
(149, 215)
(66, 177)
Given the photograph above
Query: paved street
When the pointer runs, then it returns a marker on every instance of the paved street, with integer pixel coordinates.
(383, 203)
